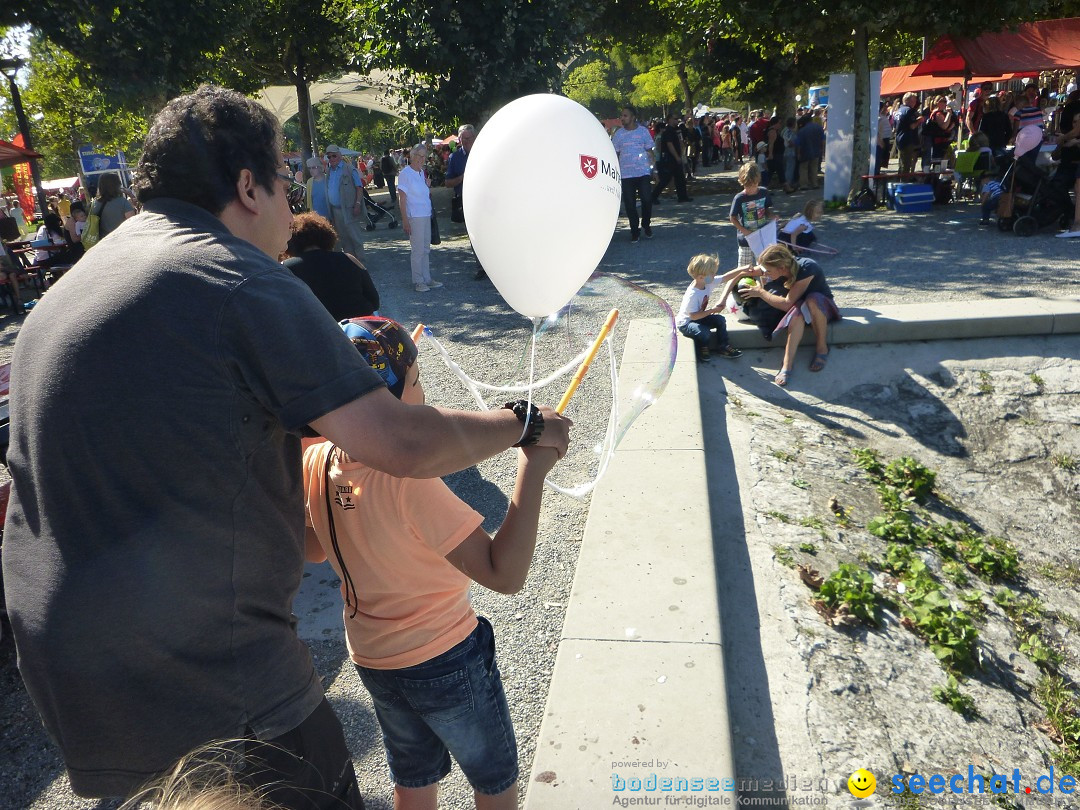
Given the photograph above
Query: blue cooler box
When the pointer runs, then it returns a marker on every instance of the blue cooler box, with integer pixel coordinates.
(910, 198)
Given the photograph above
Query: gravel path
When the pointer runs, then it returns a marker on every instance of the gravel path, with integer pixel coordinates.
(885, 258)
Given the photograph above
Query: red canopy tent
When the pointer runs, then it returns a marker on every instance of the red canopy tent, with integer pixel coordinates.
(1044, 45)
(10, 154)
(898, 80)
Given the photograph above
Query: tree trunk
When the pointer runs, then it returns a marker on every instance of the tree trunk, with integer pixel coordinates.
(860, 158)
(786, 108)
(303, 103)
(688, 93)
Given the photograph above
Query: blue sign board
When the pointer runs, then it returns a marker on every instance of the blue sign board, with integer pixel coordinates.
(93, 161)
(818, 96)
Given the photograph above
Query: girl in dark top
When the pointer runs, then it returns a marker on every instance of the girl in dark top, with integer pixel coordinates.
(339, 280)
(797, 288)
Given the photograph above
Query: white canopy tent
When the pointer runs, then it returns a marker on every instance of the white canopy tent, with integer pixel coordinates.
(61, 184)
(375, 91)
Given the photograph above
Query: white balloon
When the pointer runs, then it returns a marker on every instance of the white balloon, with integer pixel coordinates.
(542, 193)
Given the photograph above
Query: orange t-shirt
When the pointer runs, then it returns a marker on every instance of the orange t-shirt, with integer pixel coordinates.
(394, 535)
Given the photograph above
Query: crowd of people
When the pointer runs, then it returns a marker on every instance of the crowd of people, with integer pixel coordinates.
(788, 151)
(58, 241)
(337, 191)
(1001, 125)
(771, 153)
(381, 171)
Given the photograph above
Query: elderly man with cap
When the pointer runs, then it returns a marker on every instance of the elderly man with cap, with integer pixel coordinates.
(316, 188)
(345, 196)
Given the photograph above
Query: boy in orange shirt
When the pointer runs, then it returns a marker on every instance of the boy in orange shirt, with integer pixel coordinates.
(406, 551)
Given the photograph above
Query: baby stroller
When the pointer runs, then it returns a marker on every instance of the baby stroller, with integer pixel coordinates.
(1032, 199)
(297, 196)
(375, 212)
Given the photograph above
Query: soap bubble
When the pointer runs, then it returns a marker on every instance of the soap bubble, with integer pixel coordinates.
(627, 375)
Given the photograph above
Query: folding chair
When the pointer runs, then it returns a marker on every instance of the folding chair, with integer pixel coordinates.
(969, 175)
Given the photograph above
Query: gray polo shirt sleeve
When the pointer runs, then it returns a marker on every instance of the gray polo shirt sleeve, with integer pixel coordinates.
(285, 350)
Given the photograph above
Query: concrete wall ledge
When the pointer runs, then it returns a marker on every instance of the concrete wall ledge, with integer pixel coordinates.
(638, 688)
(937, 320)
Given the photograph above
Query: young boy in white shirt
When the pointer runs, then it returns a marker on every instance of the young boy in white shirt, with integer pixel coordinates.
(696, 319)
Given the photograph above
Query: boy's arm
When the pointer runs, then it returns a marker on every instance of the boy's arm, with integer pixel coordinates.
(737, 273)
(502, 564)
(738, 225)
(704, 313)
(730, 286)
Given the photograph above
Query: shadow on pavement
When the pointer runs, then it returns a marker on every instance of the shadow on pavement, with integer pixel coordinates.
(897, 406)
(749, 703)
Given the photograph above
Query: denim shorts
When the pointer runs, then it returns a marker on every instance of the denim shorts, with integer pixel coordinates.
(452, 704)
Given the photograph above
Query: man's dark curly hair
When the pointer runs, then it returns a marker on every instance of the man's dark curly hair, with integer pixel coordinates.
(199, 143)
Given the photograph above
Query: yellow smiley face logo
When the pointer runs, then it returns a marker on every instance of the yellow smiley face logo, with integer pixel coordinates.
(861, 783)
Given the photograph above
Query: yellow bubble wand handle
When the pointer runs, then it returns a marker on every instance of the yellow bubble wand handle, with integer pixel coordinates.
(417, 333)
(579, 375)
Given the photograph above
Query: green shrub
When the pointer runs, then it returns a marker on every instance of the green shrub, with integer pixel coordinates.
(853, 588)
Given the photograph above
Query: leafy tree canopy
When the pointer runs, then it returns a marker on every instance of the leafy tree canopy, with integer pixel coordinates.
(67, 113)
(592, 85)
(137, 50)
(461, 60)
(362, 130)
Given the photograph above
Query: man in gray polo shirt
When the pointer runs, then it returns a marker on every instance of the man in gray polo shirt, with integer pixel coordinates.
(154, 540)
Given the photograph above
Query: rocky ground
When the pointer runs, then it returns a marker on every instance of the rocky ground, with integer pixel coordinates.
(852, 679)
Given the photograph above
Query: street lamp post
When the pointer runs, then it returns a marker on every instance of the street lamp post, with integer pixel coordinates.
(10, 68)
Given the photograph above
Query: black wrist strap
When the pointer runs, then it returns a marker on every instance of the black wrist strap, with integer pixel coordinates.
(529, 416)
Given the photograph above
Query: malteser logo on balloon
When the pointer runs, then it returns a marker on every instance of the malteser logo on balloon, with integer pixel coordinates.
(588, 166)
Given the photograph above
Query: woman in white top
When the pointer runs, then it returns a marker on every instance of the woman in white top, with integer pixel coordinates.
(51, 232)
(414, 200)
(16, 213)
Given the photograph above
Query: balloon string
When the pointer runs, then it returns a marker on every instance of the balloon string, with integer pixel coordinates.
(532, 377)
(473, 385)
